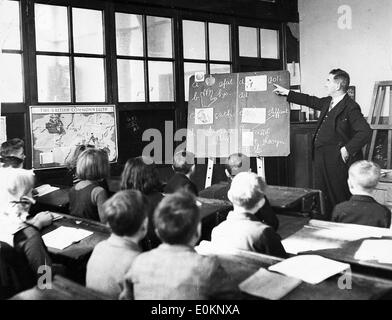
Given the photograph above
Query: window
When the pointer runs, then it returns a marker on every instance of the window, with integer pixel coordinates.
(12, 89)
(145, 59)
(70, 63)
(258, 43)
(206, 49)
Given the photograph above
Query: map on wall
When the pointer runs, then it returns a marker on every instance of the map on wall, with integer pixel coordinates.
(57, 130)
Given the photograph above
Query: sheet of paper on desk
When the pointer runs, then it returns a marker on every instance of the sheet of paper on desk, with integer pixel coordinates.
(312, 269)
(45, 189)
(295, 245)
(378, 250)
(269, 285)
(63, 237)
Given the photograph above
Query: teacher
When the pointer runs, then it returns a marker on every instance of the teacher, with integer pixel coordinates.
(341, 133)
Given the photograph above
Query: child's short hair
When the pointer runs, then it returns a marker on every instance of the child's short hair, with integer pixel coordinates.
(11, 147)
(176, 218)
(183, 161)
(93, 164)
(125, 212)
(365, 174)
(141, 174)
(237, 163)
(246, 190)
(71, 163)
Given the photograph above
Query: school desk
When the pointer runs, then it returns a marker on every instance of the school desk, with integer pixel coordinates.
(342, 242)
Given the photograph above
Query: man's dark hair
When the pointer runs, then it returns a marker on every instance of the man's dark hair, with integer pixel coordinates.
(10, 147)
(183, 161)
(343, 77)
(125, 211)
(140, 174)
(176, 218)
(237, 163)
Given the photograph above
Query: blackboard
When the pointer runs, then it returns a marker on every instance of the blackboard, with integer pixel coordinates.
(238, 112)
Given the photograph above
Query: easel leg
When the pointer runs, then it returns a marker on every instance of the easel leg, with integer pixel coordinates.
(210, 168)
(261, 167)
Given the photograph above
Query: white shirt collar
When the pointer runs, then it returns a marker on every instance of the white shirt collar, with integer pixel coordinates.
(337, 99)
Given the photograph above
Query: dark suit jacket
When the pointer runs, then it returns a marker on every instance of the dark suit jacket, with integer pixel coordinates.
(219, 190)
(349, 122)
(180, 181)
(362, 210)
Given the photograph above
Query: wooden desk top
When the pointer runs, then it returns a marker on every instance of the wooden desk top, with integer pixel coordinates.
(287, 197)
(340, 242)
(241, 264)
(85, 246)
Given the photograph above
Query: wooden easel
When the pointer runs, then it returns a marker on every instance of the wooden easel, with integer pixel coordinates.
(210, 167)
(380, 91)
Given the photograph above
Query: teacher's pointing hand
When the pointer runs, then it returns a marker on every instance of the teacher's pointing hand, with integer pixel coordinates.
(280, 90)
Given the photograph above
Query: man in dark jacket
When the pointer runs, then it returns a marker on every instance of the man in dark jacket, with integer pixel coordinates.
(341, 133)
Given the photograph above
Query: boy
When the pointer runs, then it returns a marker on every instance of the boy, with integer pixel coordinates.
(242, 230)
(362, 208)
(184, 168)
(112, 258)
(12, 153)
(237, 163)
(174, 270)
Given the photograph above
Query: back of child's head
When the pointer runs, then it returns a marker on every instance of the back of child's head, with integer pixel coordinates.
(125, 212)
(183, 161)
(11, 153)
(71, 163)
(365, 174)
(237, 163)
(15, 183)
(141, 174)
(176, 218)
(246, 190)
(92, 164)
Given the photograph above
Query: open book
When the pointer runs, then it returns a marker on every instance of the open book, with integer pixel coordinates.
(45, 189)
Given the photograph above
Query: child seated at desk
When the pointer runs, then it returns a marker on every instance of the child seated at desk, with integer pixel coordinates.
(87, 196)
(184, 168)
(174, 270)
(242, 230)
(362, 208)
(16, 229)
(112, 258)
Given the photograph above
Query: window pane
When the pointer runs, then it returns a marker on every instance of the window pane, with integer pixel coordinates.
(189, 70)
(51, 27)
(248, 42)
(219, 68)
(89, 80)
(87, 31)
(129, 34)
(53, 79)
(130, 80)
(160, 78)
(219, 40)
(269, 44)
(12, 78)
(9, 25)
(159, 37)
(194, 39)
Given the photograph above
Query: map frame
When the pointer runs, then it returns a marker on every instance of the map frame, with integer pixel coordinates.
(70, 109)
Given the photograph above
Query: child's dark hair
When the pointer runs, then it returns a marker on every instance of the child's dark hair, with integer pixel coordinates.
(125, 211)
(176, 218)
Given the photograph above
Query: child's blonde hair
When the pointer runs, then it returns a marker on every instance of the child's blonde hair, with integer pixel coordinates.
(365, 174)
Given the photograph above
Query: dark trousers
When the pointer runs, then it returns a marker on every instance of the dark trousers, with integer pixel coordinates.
(331, 175)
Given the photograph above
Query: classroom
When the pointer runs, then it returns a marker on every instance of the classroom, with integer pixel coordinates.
(195, 150)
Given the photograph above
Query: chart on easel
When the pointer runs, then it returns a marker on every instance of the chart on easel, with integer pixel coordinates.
(380, 119)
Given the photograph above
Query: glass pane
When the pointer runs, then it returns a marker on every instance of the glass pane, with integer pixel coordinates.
(194, 39)
(12, 75)
(160, 76)
(269, 44)
(189, 70)
(53, 79)
(129, 34)
(159, 37)
(89, 79)
(9, 25)
(219, 40)
(248, 42)
(51, 27)
(219, 68)
(87, 31)
(130, 80)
